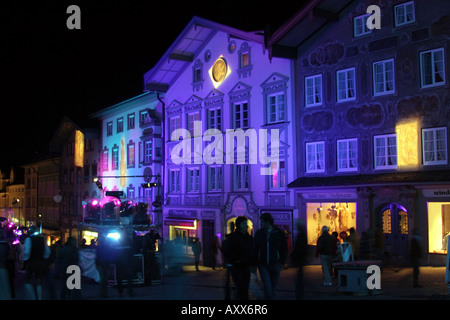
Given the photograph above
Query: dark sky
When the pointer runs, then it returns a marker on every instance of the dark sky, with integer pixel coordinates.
(49, 71)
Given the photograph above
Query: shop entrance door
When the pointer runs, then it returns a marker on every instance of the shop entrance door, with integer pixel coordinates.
(208, 238)
(394, 224)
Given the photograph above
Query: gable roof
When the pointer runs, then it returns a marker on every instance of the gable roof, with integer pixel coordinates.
(194, 37)
(313, 17)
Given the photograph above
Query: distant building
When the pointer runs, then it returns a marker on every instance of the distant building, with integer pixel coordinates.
(79, 149)
(41, 185)
(373, 115)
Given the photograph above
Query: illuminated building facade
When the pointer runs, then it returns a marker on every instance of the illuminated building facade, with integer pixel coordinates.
(79, 149)
(41, 185)
(130, 149)
(217, 78)
(373, 114)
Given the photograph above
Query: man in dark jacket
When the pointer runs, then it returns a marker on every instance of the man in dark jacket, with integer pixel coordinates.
(326, 247)
(271, 251)
(239, 253)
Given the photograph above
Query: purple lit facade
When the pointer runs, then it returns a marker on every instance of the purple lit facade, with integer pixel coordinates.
(373, 117)
(200, 200)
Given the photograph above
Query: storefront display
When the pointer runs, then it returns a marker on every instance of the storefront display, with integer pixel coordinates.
(438, 226)
(336, 216)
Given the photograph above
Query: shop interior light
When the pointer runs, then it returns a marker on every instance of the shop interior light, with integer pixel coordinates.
(113, 235)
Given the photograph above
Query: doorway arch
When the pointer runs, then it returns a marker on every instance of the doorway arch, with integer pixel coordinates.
(394, 224)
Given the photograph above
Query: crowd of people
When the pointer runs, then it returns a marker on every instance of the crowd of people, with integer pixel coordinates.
(243, 254)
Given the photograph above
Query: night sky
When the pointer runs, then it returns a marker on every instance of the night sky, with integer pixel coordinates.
(49, 71)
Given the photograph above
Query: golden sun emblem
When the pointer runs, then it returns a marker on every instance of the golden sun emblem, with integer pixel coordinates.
(219, 70)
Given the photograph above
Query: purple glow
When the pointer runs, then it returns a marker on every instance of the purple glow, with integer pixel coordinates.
(94, 202)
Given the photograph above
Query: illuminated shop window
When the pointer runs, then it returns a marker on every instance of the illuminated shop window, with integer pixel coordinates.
(438, 226)
(337, 216)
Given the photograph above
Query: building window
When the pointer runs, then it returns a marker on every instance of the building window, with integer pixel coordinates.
(434, 142)
(109, 129)
(148, 151)
(276, 111)
(383, 77)
(277, 180)
(347, 155)
(241, 177)
(174, 123)
(240, 115)
(193, 180)
(215, 118)
(385, 151)
(432, 68)
(313, 90)
(130, 121)
(315, 157)
(115, 158)
(346, 90)
(174, 181)
(360, 26)
(245, 61)
(404, 13)
(131, 155)
(143, 115)
(120, 125)
(191, 118)
(215, 176)
(105, 159)
(197, 75)
(131, 192)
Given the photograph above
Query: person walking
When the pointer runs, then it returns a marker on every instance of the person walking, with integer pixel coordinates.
(271, 252)
(298, 259)
(68, 256)
(239, 253)
(215, 248)
(415, 254)
(197, 250)
(326, 247)
(35, 251)
(5, 290)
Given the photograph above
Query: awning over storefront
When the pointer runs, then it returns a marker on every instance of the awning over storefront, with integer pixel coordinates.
(180, 222)
(393, 178)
